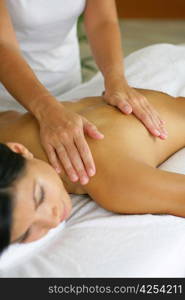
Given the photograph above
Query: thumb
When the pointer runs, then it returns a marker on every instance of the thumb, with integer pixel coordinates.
(92, 130)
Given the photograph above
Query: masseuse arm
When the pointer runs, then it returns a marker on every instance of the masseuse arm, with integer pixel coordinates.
(102, 28)
(61, 131)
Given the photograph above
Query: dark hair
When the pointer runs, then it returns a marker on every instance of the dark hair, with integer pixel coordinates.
(11, 167)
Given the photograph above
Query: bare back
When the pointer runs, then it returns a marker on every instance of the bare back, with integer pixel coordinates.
(126, 139)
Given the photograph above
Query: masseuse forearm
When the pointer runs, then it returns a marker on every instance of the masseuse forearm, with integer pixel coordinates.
(105, 41)
(21, 82)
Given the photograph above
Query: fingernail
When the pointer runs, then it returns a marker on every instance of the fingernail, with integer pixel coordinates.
(91, 172)
(84, 180)
(164, 134)
(127, 108)
(58, 170)
(101, 134)
(74, 177)
(157, 132)
(165, 131)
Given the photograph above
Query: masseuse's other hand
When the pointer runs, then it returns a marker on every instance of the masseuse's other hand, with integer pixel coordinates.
(129, 100)
(62, 136)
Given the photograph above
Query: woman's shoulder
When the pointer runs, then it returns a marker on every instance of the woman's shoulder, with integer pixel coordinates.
(9, 116)
(16, 126)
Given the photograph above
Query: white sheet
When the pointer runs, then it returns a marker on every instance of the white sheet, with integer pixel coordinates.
(98, 243)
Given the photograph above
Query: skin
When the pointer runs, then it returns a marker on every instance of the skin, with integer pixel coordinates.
(102, 28)
(126, 180)
(60, 130)
(46, 211)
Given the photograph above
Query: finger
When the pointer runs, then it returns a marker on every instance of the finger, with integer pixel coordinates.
(85, 154)
(77, 163)
(157, 121)
(65, 160)
(146, 119)
(154, 113)
(123, 106)
(92, 130)
(163, 121)
(120, 101)
(148, 110)
(158, 124)
(160, 127)
(50, 151)
(153, 116)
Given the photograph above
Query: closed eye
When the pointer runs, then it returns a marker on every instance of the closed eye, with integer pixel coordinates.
(37, 204)
(25, 236)
(42, 196)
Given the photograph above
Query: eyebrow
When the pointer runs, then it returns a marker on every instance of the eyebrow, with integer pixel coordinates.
(25, 234)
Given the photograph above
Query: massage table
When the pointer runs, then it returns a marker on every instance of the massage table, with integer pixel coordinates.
(95, 242)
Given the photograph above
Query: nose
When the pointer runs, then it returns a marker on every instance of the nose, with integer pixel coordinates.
(55, 212)
(54, 218)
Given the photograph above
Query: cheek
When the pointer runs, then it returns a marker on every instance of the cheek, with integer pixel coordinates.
(68, 203)
(36, 234)
(53, 186)
(55, 192)
(59, 201)
(23, 217)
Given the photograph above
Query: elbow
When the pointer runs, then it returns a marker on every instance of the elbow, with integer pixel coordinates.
(117, 204)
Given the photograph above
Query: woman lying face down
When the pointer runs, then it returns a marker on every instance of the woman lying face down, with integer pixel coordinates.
(34, 198)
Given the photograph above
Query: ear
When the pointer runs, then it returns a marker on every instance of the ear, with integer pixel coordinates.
(21, 149)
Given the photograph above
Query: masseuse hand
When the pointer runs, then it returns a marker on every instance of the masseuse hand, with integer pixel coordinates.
(62, 136)
(118, 93)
